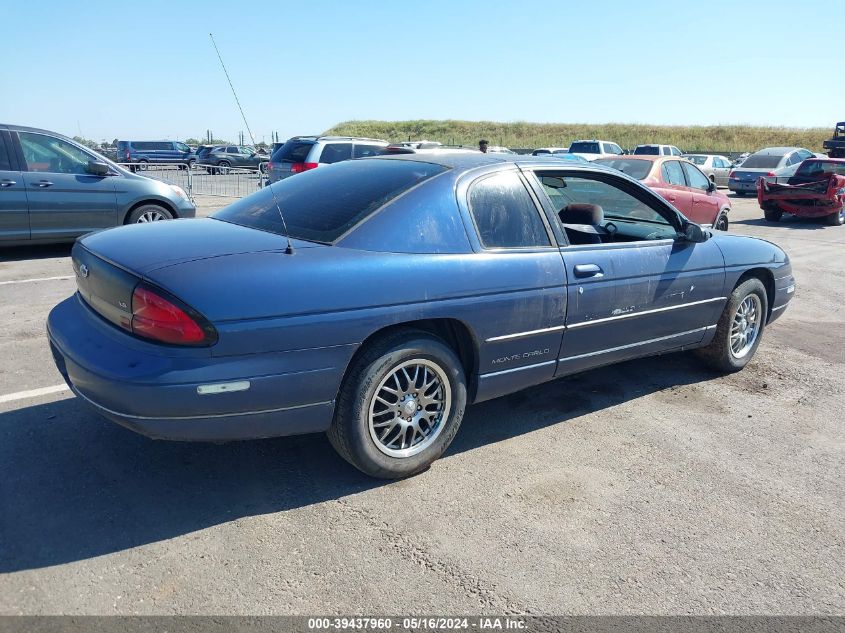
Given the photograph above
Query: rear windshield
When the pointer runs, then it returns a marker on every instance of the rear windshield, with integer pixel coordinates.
(320, 205)
(292, 152)
(584, 148)
(698, 160)
(634, 168)
(761, 161)
(647, 150)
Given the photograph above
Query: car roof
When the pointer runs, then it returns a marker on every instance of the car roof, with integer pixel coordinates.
(777, 151)
(315, 138)
(463, 162)
(649, 157)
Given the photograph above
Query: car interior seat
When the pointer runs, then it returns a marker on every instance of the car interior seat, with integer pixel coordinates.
(584, 223)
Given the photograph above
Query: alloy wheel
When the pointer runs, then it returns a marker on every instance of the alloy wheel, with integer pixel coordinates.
(409, 408)
(746, 326)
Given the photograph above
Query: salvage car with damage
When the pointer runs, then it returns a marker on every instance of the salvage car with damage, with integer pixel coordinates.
(375, 299)
(816, 190)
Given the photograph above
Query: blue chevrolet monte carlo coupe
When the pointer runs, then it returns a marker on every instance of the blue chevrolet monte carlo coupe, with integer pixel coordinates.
(375, 299)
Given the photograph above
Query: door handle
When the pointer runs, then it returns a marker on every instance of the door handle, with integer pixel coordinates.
(588, 270)
(7, 183)
(671, 198)
(43, 183)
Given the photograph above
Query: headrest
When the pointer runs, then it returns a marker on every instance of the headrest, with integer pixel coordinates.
(582, 213)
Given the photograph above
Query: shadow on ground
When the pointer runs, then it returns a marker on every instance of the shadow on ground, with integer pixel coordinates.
(47, 251)
(73, 486)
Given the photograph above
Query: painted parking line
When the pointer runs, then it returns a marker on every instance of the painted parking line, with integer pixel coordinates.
(29, 281)
(33, 393)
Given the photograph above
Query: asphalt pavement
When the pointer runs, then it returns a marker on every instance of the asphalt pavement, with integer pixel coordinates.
(653, 487)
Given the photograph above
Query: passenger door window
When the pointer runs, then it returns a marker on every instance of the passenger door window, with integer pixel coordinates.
(49, 154)
(336, 152)
(581, 201)
(673, 173)
(367, 150)
(696, 179)
(505, 214)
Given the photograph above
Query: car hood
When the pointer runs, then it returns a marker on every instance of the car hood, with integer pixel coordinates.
(144, 248)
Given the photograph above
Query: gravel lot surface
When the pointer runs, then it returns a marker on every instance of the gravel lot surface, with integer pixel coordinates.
(649, 487)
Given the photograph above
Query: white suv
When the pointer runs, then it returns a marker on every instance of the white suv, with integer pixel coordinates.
(302, 153)
(593, 149)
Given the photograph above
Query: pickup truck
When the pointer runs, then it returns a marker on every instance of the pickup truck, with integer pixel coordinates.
(835, 145)
(817, 189)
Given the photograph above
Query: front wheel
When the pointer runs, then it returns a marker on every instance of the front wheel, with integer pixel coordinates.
(740, 328)
(149, 213)
(837, 218)
(400, 405)
(721, 223)
(223, 167)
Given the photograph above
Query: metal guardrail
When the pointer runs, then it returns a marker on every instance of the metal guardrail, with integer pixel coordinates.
(205, 180)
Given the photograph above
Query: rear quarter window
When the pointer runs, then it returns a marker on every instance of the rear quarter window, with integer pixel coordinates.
(505, 214)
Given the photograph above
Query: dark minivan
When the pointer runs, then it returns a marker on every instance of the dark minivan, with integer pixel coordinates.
(145, 152)
(53, 189)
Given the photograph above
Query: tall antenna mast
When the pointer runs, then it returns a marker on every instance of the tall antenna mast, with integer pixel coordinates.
(238, 101)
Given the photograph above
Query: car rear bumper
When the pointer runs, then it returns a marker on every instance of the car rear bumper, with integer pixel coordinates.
(743, 186)
(161, 392)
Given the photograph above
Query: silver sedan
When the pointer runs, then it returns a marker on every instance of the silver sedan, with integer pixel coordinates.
(715, 167)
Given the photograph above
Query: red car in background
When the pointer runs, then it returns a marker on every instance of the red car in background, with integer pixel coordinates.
(816, 190)
(681, 183)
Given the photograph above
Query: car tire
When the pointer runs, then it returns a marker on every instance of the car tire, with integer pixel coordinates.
(223, 167)
(370, 429)
(731, 350)
(143, 165)
(837, 218)
(191, 164)
(149, 213)
(721, 223)
(739, 194)
(772, 215)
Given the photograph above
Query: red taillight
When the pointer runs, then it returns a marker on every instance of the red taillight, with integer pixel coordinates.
(128, 158)
(298, 168)
(271, 165)
(162, 320)
(731, 174)
(771, 173)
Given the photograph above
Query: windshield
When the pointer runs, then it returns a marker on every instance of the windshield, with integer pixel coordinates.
(584, 147)
(698, 160)
(322, 204)
(638, 169)
(761, 161)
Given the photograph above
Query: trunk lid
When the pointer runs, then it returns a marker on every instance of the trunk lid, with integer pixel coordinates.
(143, 248)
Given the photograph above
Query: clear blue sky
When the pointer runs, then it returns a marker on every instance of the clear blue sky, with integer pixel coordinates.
(147, 69)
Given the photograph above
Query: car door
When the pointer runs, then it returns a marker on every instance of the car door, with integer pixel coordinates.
(643, 289)
(721, 169)
(65, 201)
(705, 205)
(676, 190)
(521, 328)
(14, 211)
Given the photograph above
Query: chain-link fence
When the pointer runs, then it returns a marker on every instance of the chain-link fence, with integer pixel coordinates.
(228, 182)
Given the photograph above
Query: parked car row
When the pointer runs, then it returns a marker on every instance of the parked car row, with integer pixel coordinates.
(53, 189)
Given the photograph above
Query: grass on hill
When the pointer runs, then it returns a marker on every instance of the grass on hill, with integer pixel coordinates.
(712, 138)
